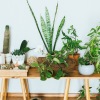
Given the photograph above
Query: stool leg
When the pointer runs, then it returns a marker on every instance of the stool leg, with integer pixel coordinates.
(26, 88)
(2, 88)
(87, 89)
(23, 88)
(6, 88)
(67, 89)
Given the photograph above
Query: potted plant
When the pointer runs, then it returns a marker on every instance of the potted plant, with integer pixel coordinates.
(93, 47)
(71, 45)
(18, 55)
(47, 33)
(86, 66)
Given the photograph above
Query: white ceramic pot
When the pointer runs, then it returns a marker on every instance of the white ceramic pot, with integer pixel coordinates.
(8, 58)
(86, 69)
(18, 59)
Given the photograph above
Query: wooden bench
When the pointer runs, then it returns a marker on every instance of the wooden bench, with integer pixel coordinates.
(34, 74)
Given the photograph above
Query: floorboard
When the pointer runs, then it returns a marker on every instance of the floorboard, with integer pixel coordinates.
(42, 98)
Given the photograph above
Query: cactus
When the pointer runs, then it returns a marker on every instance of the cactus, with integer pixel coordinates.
(6, 40)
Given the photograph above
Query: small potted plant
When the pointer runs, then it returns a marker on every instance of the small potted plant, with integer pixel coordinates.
(86, 66)
(18, 55)
(93, 47)
(71, 45)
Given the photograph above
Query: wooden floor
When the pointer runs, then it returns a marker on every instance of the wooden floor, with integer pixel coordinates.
(54, 98)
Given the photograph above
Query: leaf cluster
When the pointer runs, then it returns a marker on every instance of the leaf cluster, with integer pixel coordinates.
(71, 44)
(82, 93)
(48, 29)
(23, 49)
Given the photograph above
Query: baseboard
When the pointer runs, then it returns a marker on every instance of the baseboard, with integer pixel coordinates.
(46, 95)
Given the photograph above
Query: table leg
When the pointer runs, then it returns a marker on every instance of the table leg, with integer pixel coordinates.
(87, 89)
(26, 88)
(2, 88)
(67, 89)
(23, 88)
(6, 88)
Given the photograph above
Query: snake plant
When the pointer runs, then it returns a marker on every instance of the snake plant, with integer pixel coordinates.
(48, 29)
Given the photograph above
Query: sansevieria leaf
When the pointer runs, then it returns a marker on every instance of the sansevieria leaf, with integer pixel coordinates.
(58, 32)
(49, 32)
(44, 30)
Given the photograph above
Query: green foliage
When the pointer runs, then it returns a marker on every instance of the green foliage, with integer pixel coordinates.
(93, 47)
(23, 49)
(48, 29)
(82, 93)
(72, 44)
(86, 60)
(59, 74)
(45, 70)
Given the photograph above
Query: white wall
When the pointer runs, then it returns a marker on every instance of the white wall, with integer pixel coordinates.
(83, 14)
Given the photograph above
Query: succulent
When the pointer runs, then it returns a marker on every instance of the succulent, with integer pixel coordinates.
(23, 49)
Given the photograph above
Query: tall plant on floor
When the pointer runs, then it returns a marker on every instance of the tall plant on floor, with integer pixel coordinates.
(48, 29)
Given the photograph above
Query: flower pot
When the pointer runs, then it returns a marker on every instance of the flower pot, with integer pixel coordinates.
(74, 59)
(8, 58)
(86, 69)
(18, 59)
(2, 58)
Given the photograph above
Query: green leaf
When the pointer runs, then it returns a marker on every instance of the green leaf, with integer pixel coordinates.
(43, 76)
(23, 45)
(44, 30)
(35, 64)
(37, 25)
(48, 74)
(56, 60)
(26, 49)
(58, 31)
(59, 74)
(49, 31)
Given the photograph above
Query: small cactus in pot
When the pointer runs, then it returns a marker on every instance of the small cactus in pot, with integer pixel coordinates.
(18, 55)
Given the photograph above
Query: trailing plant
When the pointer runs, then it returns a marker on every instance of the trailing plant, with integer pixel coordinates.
(48, 29)
(45, 70)
(46, 67)
(82, 93)
(23, 49)
(93, 47)
(71, 43)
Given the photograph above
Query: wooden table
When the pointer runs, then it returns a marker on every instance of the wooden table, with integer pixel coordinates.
(34, 74)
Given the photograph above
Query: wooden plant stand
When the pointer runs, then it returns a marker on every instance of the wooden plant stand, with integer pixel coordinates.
(34, 74)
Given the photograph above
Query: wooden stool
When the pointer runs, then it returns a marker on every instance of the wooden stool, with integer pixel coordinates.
(24, 86)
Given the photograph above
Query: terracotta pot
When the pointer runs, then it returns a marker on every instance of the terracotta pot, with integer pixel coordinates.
(73, 61)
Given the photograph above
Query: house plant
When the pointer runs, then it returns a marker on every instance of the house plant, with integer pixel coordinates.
(18, 55)
(93, 47)
(47, 33)
(86, 66)
(71, 45)
(82, 93)
(52, 66)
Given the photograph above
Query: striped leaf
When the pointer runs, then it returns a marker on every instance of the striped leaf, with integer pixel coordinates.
(49, 33)
(44, 30)
(58, 31)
